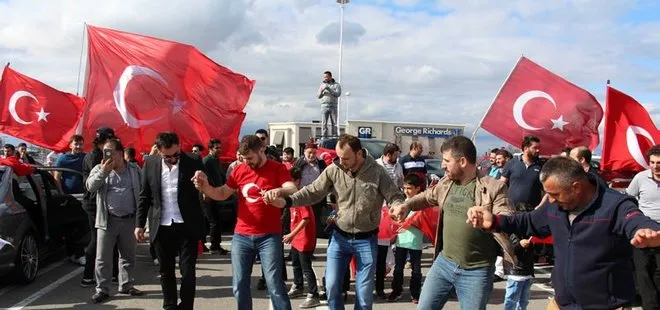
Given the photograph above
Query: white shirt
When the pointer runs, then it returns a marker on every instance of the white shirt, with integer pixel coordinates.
(169, 189)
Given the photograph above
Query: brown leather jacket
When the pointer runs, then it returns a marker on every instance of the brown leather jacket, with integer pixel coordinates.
(490, 194)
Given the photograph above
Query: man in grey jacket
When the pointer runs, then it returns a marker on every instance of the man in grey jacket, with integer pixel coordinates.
(329, 92)
(361, 187)
(116, 183)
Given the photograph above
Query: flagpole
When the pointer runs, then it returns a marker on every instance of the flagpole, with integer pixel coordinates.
(83, 117)
(82, 46)
(474, 134)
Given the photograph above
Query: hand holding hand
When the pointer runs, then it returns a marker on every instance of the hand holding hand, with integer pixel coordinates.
(480, 218)
(525, 243)
(200, 180)
(398, 212)
(646, 238)
(272, 194)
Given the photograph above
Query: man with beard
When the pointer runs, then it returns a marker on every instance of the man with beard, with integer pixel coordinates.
(494, 170)
(645, 186)
(256, 232)
(216, 176)
(593, 229)
(465, 257)
(522, 176)
(390, 162)
(361, 186)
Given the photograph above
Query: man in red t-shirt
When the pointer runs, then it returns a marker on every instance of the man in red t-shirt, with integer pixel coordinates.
(303, 242)
(258, 229)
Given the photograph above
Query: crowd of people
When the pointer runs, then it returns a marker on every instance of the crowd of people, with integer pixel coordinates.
(487, 218)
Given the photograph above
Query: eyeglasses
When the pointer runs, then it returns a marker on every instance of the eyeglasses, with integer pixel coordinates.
(262, 138)
(173, 156)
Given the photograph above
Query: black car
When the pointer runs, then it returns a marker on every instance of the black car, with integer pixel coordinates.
(37, 221)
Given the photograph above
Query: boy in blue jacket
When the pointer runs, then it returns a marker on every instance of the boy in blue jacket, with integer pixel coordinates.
(592, 228)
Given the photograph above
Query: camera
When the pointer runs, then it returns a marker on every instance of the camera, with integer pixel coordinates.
(107, 154)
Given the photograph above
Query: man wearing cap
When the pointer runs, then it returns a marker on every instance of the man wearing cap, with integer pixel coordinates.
(311, 167)
(93, 158)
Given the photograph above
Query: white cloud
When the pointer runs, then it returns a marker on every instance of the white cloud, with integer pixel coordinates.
(400, 65)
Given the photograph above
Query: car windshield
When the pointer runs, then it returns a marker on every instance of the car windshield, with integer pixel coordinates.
(435, 167)
(374, 147)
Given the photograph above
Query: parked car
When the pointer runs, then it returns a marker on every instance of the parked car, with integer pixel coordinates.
(374, 147)
(434, 167)
(37, 220)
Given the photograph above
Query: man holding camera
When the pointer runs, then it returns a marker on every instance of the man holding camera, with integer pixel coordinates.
(329, 92)
(116, 183)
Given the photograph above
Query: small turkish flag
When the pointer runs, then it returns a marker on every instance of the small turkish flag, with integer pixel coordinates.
(535, 101)
(141, 86)
(37, 113)
(629, 133)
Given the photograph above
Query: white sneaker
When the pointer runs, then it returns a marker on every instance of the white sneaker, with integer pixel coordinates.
(78, 261)
(156, 262)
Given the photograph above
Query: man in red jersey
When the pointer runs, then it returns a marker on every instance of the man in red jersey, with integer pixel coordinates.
(258, 228)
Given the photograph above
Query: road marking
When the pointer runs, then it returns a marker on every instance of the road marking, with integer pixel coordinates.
(32, 298)
(39, 274)
(542, 269)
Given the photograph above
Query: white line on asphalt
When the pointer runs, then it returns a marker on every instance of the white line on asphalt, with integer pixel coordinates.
(32, 298)
(41, 273)
(543, 287)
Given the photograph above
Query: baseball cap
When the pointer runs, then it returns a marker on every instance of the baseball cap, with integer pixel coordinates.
(104, 133)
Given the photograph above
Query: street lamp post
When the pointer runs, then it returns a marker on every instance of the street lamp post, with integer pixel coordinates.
(341, 54)
(347, 94)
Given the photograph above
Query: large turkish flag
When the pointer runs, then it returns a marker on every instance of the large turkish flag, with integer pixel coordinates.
(535, 101)
(141, 86)
(629, 133)
(37, 113)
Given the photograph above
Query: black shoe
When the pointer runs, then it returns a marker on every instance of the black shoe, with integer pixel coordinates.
(87, 283)
(100, 297)
(132, 291)
(394, 296)
(261, 285)
(115, 280)
(381, 295)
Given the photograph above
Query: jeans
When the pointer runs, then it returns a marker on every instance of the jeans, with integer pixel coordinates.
(473, 286)
(339, 254)
(243, 250)
(329, 113)
(400, 256)
(302, 265)
(517, 294)
(647, 271)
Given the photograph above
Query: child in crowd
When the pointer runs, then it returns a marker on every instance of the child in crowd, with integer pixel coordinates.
(519, 276)
(303, 242)
(409, 242)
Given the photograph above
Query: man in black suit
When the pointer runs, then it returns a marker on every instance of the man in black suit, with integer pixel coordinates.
(172, 204)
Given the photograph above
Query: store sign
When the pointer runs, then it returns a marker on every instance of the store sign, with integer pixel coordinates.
(364, 132)
(429, 132)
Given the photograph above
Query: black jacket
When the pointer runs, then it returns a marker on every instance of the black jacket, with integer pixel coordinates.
(90, 161)
(214, 171)
(524, 265)
(150, 204)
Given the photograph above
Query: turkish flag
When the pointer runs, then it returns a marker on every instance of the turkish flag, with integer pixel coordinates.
(141, 86)
(629, 133)
(37, 113)
(327, 155)
(426, 221)
(535, 101)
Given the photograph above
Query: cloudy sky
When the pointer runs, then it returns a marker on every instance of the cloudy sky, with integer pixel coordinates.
(438, 61)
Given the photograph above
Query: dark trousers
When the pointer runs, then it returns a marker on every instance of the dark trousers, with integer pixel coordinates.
(400, 256)
(170, 242)
(212, 214)
(381, 266)
(90, 250)
(647, 270)
(302, 265)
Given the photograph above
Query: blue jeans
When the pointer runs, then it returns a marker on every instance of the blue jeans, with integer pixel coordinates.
(517, 294)
(473, 286)
(243, 250)
(340, 251)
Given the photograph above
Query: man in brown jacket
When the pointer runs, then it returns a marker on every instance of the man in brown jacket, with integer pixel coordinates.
(466, 259)
(361, 185)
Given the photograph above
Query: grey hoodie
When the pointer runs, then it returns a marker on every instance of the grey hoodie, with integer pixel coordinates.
(360, 198)
(329, 98)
